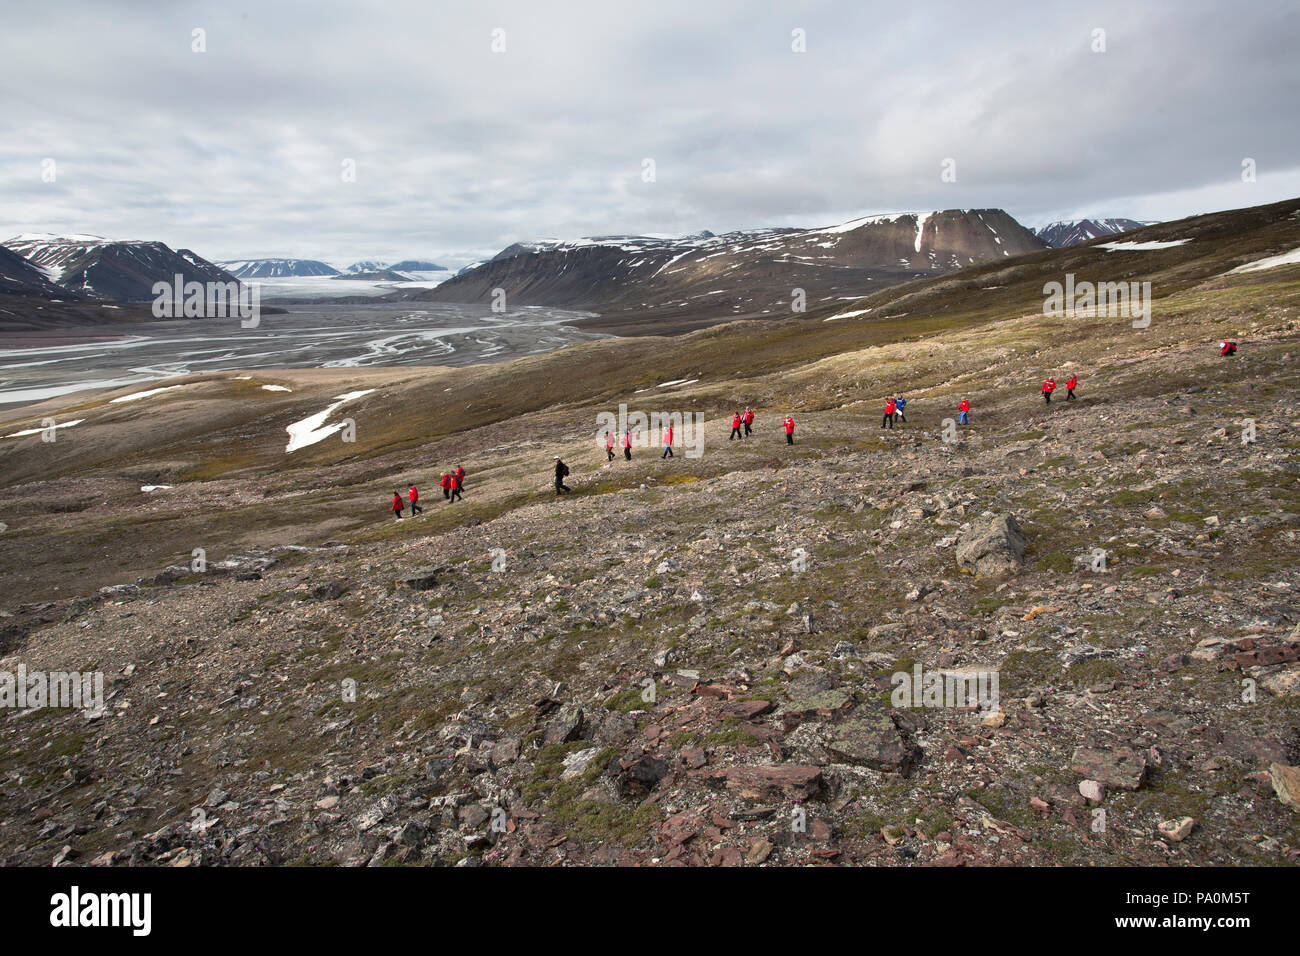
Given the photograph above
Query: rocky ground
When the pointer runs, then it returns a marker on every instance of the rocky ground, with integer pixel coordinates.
(696, 668)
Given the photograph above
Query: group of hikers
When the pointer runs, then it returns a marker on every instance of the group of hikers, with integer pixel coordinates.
(742, 427)
(452, 484)
(1049, 386)
(893, 410)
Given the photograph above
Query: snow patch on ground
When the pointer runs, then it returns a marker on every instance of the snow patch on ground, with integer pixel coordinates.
(1272, 262)
(847, 315)
(1138, 246)
(276, 388)
(37, 431)
(154, 487)
(135, 395)
(313, 428)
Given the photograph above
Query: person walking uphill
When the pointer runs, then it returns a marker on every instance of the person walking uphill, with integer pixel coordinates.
(445, 484)
(749, 420)
(561, 472)
(609, 445)
(788, 424)
(413, 496)
(901, 403)
(1049, 386)
(1070, 384)
(627, 444)
(668, 443)
(397, 505)
(458, 484)
(460, 476)
(890, 409)
(1228, 348)
(735, 427)
(964, 409)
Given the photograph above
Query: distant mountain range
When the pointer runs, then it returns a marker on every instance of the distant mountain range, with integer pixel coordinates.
(99, 268)
(277, 268)
(694, 280)
(376, 275)
(406, 265)
(1071, 232)
(701, 278)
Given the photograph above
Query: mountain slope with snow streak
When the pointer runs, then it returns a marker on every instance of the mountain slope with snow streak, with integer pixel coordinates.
(120, 271)
(705, 279)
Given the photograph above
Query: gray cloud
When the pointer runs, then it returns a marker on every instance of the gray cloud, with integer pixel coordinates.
(238, 151)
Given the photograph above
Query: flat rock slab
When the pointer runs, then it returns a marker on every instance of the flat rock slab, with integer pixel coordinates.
(766, 782)
(1120, 768)
(875, 742)
(1283, 683)
(421, 579)
(823, 705)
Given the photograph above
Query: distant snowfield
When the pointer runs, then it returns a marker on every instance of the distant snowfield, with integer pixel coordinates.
(37, 431)
(276, 388)
(324, 287)
(1139, 246)
(313, 428)
(1272, 262)
(154, 487)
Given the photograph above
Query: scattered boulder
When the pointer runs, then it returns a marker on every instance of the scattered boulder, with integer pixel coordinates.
(994, 546)
(567, 725)
(1286, 784)
(875, 742)
(1177, 831)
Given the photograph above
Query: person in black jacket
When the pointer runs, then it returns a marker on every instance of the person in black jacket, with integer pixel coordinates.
(561, 471)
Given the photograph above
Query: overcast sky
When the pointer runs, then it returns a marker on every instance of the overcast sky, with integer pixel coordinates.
(239, 151)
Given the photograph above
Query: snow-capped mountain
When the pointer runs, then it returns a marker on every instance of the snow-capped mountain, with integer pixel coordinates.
(751, 272)
(367, 265)
(417, 265)
(1071, 232)
(277, 268)
(121, 271)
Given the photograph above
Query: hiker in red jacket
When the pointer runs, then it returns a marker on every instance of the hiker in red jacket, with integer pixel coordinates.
(1049, 386)
(749, 420)
(627, 444)
(609, 445)
(668, 443)
(397, 505)
(1070, 383)
(788, 424)
(445, 484)
(964, 408)
(413, 496)
(457, 484)
(890, 409)
(735, 427)
(460, 476)
(1228, 348)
